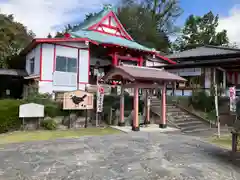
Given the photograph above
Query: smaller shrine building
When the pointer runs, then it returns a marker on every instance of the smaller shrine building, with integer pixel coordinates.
(66, 64)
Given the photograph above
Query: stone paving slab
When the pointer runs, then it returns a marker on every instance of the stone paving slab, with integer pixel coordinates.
(149, 128)
(134, 156)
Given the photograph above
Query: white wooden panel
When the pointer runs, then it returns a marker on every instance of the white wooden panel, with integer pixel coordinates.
(149, 63)
(66, 51)
(47, 61)
(37, 60)
(64, 79)
(106, 21)
(84, 66)
(75, 44)
(108, 30)
(31, 110)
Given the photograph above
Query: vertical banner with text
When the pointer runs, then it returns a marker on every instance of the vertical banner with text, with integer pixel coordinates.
(232, 97)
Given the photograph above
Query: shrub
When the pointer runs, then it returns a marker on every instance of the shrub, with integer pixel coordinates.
(49, 124)
(51, 107)
(9, 115)
(202, 101)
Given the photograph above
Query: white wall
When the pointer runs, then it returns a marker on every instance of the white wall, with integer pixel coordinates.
(75, 44)
(54, 81)
(153, 63)
(35, 53)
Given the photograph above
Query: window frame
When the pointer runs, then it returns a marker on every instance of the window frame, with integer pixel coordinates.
(32, 65)
(66, 59)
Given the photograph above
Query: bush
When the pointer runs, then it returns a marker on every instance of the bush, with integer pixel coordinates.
(9, 115)
(51, 107)
(202, 101)
(49, 124)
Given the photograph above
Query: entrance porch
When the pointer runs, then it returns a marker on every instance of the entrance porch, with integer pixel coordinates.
(142, 78)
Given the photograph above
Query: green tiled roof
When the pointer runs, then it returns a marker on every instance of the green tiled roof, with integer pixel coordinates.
(82, 32)
(108, 39)
(96, 18)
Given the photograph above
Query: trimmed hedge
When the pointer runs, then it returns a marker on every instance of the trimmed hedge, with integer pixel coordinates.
(9, 110)
(9, 115)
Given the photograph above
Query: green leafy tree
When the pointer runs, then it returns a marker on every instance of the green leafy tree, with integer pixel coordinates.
(150, 22)
(140, 25)
(200, 31)
(164, 12)
(14, 37)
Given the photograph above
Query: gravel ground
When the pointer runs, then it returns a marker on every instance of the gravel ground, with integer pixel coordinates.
(135, 156)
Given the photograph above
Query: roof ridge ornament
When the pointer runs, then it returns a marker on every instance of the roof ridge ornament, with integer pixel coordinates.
(107, 7)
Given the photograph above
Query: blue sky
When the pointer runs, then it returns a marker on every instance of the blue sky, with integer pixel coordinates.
(200, 7)
(44, 16)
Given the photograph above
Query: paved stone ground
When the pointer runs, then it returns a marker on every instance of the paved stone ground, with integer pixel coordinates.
(133, 156)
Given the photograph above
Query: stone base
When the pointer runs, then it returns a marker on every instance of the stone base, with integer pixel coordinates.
(135, 128)
(121, 124)
(163, 126)
(147, 122)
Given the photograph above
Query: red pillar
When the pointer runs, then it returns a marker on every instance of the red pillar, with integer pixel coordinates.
(163, 123)
(115, 59)
(140, 62)
(121, 122)
(135, 125)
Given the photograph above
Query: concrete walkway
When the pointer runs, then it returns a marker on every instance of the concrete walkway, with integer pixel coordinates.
(135, 156)
(149, 128)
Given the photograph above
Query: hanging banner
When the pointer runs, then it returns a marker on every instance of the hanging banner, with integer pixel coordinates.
(100, 97)
(232, 97)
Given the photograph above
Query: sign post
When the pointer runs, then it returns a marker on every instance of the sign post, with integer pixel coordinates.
(99, 104)
(232, 97)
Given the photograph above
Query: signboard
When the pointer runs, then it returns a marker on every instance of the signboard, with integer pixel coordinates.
(100, 97)
(31, 110)
(77, 100)
(186, 71)
(232, 97)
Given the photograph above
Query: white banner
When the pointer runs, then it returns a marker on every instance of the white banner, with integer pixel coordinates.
(232, 97)
(100, 97)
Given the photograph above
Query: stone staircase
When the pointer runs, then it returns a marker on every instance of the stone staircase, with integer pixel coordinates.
(182, 119)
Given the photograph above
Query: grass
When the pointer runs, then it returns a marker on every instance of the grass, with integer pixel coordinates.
(224, 141)
(25, 136)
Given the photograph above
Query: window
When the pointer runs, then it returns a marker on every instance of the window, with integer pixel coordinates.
(32, 64)
(66, 64)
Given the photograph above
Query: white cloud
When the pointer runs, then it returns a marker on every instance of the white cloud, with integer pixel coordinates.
(43, 16)
(232, 24)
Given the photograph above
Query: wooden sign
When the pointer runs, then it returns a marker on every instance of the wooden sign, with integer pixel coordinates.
(77, 100)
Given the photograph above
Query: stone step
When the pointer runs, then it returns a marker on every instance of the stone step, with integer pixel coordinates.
(199, 131)
(190, 123)
(180, 113)
(195, 127)
(185, 120)
(185, 116)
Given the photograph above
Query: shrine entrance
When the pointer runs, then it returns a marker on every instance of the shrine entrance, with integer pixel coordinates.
(142, 78)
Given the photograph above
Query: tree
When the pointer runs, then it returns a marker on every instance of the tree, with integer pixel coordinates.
(151, 22)
(164, 12)
(138, 22)
(14, 37)
(200, 31)
(49, 35)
